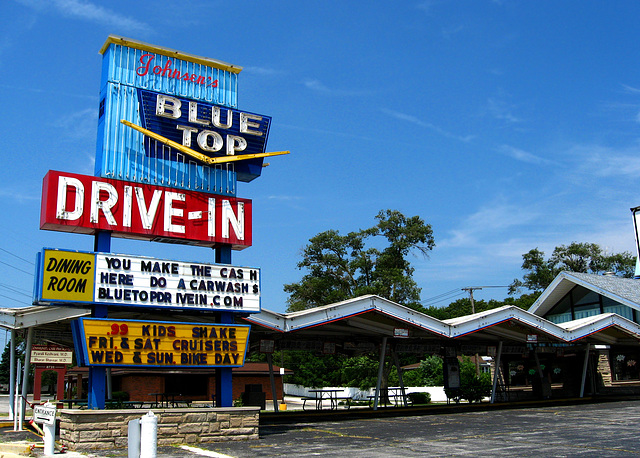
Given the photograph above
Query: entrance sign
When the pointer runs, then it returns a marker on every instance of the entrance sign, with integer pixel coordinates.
(112, 342)
(169, 92)
(45, 414)
(85, 205)
(136, 281)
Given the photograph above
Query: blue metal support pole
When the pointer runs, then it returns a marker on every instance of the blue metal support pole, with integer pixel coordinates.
(224, 380)
(98, 375)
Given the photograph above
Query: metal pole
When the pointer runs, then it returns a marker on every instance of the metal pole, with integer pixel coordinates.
(224, 376)
(25, 375)
(16, 400)
(495, 373)
(274, 393)
(383, 350)
(109, 385)
(396, 361)
(584, 369)
(635, 212)
(473, 311)
(12, 375)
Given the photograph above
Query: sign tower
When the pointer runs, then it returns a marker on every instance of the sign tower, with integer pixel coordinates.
(172, 145)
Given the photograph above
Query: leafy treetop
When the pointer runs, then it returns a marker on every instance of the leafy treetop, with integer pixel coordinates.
(341, 267)
(575, 257)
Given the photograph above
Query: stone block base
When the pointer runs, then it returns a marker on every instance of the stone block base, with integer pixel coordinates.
(108, 429)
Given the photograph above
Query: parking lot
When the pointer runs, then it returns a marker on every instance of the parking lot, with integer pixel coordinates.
(605, 429)
(598, 429)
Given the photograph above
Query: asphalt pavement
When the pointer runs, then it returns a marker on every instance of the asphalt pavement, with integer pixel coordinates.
(602, 429)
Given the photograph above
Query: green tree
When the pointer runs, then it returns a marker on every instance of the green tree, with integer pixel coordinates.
(472, 387)
(312, 370)
(341, 266)
(359, 372)
(575, 257)
(5, 361)
(429, 373)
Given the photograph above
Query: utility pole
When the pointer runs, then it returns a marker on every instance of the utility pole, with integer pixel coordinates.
(471, 289)
(473, 310)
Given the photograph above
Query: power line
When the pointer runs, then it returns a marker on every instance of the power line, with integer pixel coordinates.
(442, 298)
(16, 256)
(16, 268)
(15, 290)
(15, 300)
(440, 295)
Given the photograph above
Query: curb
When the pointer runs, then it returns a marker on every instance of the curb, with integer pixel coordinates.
(15, 449)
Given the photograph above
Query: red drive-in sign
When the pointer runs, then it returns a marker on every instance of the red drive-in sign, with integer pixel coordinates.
(86, 204)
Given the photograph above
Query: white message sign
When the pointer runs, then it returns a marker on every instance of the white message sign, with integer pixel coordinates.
(141, 281)
(51, 355)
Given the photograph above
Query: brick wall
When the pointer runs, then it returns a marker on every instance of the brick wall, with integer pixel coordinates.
(141, 386)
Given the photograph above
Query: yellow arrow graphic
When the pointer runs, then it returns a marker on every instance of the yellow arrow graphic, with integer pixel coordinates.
(195, 154)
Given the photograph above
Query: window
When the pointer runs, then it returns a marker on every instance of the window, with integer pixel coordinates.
(186, 384)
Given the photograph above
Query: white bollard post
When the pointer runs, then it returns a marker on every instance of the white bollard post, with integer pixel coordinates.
(133, 439)
(149, 435)
(49, 439)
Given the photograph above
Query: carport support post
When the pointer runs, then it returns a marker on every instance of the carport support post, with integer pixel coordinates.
(25, 375)
(495, 373)
(274, 393)
(396, 361)
(224, 379)
(584, 369)
(383, 350)
(12, 375)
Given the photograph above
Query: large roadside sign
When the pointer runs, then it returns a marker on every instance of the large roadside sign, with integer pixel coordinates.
(85, 205)
(190, 99)
(75, 277)
(112, 342)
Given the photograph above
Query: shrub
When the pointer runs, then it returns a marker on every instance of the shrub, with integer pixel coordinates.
(419, 398)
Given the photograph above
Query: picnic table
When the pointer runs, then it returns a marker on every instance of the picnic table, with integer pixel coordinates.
(392, 396)
(321, 395)
(165, 400)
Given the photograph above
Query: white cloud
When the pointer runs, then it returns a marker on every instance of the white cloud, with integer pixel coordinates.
(426, 5)
(320, 87)
(501, 110)
(263, 71)
(87, 11)
(427, 125)
(80, 125)
(487, 223)
(631, 89)
(284, 198)
(606, 162)
(524, 156)
(13, 194)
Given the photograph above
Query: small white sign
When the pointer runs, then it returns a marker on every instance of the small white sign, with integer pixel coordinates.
(45, 414)
(400, 332)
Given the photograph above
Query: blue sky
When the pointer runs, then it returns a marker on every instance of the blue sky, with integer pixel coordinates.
(506, 125)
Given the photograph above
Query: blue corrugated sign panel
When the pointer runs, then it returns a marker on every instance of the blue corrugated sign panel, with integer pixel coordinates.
(133, 71)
